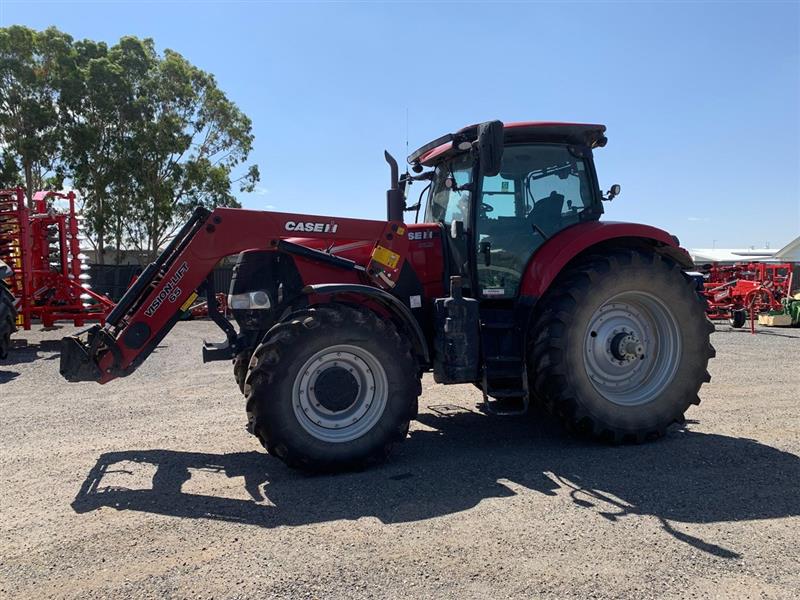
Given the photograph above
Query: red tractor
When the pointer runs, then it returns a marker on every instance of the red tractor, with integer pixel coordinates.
(510, 282)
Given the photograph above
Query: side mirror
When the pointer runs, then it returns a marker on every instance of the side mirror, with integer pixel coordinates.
(613, 192)
(490, 147)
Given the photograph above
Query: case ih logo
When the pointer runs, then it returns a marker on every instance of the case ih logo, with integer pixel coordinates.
(311, 227)
(170, 291)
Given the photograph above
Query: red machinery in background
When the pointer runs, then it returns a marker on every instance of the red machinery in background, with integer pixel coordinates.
(42, 246)
(744, 290)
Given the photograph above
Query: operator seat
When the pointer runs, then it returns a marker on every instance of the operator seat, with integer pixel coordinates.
(546, 213)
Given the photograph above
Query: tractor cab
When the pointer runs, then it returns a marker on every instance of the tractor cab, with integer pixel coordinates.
(498, 207)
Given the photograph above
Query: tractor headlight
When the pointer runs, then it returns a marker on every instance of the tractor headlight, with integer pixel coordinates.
(258, 300)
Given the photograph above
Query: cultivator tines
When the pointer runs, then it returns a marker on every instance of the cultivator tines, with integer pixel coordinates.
(42, 246)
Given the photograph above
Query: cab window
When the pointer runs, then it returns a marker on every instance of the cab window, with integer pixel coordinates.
(541, 189)
(448, 204)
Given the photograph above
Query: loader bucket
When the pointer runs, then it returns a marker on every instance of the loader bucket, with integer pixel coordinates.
(76, 363)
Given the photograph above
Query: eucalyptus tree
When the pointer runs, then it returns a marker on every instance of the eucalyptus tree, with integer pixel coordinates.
(34, 65)
(188, 148)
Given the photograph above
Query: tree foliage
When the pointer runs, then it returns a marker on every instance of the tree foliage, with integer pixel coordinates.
(145, 137)
(33, 66)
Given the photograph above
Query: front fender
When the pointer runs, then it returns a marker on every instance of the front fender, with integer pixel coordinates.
(385, 299)
(552, 256)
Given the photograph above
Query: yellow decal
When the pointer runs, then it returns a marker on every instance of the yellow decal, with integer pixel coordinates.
(401, 230)
(189, 301)
(385, 257)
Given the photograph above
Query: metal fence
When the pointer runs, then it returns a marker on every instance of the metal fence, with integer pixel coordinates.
(113, 280)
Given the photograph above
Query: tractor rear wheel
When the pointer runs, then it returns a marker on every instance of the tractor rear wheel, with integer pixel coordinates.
(332, 388)
(8, 319)
(621, 345)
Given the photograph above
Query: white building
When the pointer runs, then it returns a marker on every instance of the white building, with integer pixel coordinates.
(789, 253)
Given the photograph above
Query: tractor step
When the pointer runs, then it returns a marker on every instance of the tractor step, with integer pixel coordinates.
(505, 372)
(502, 325)
(506, 403)
(499, 358)
(504, 382)
(506, 393)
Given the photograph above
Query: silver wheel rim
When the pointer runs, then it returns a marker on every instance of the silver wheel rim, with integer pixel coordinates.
(345, 423)
(633, 348)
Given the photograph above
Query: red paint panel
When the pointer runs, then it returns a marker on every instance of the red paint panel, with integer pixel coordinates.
(312, 272)
(556, 252)
(426, 256)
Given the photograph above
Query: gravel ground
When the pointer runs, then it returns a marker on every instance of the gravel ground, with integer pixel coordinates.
(149, 487)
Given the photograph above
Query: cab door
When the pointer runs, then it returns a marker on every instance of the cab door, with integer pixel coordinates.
(540, 190)
(450, 205)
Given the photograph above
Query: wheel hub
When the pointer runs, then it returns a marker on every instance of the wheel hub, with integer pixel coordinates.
(633, 348)
(626, 346)
(336, 389)
(340, 393)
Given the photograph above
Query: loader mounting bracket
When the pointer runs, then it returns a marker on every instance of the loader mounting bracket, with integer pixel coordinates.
(234, 341)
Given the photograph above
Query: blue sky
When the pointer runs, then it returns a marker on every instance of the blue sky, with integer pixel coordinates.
(701, 100)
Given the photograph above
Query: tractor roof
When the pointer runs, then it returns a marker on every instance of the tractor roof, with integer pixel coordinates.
(592, 135)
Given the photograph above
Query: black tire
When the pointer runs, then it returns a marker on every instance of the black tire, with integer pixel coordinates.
(275, 373)
(8, 320)
(738, 318)
(240, 364)
(561, 349)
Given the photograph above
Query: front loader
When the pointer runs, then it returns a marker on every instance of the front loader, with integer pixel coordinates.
(509, 281)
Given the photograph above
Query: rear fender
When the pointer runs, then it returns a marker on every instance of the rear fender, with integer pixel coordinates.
(560, 250)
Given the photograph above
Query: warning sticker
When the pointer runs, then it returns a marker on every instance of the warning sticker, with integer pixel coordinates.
(189, 301)
(494, 291)
(385, 257)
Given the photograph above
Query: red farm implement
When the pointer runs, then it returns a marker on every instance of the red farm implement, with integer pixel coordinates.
(744, 290)
(41, 245)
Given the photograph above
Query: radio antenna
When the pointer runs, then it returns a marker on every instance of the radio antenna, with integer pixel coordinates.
(407, 138)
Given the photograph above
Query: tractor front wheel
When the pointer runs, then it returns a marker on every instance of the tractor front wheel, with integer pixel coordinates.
(8, 319)
(620, 347)
(240, 364)
(332, 388)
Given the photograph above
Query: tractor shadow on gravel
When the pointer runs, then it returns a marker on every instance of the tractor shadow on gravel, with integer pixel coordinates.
(22, 352)
(459, 458)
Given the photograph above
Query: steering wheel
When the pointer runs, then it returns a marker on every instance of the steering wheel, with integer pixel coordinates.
(487, 208)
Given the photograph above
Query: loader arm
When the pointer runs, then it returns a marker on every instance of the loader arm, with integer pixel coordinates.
(166, 288)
